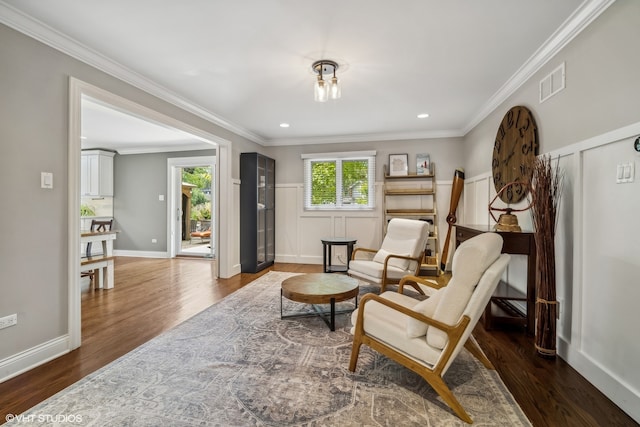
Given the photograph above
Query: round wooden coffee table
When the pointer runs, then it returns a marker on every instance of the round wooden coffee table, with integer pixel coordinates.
(319, 288)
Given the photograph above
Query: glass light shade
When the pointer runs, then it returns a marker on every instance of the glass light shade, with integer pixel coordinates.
(321, 94)
(334, 89)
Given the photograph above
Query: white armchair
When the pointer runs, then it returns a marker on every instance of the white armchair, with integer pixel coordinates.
(426, 336)
(400, 254)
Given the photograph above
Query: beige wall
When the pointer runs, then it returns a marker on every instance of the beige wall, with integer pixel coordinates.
(446, 153)
(299, 232)
(591, 125)
(34, 83)
(602, 89)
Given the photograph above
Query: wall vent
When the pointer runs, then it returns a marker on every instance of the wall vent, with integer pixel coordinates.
(552, 83)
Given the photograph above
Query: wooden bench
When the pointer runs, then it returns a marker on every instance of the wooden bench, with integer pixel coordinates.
(104, 265)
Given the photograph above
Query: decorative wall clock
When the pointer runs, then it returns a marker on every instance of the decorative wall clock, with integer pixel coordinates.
(515, 148)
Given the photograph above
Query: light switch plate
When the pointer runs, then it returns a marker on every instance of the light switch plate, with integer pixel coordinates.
(46, 180)
(625, 172)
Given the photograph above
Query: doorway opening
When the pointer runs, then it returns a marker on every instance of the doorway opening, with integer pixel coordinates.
(197, 216)
(193, 214)
(226, 265)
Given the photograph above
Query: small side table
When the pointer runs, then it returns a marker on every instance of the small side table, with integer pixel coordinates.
(326, 253)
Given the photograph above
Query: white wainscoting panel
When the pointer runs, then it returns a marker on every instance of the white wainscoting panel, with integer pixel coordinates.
(312, 230)
(366, 229)
(287, 212)
(564, 244)
(611, 263)
(299, 232)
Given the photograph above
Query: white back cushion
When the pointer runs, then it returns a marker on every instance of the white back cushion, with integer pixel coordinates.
(405, 237)
(470, 261)
(416, 328)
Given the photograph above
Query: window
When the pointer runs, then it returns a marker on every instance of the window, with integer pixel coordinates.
(339, 180)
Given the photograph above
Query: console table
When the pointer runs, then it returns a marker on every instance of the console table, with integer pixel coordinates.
(326, 253)
(501, 309)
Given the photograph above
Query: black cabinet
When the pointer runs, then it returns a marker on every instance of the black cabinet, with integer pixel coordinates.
(257, 212)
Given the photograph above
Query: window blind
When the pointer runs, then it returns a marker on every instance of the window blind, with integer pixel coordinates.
(339, 180)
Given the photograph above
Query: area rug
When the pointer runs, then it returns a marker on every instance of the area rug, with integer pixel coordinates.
(238, 364)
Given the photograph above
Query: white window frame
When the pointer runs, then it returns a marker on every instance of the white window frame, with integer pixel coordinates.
(370, 156)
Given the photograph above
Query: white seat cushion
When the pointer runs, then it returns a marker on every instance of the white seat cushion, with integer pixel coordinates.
(390, 326)
(374, 270)
(400, 263)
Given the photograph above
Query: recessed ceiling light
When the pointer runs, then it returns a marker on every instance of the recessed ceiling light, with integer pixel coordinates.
(83, 137)
(423, 115)
(284, 125)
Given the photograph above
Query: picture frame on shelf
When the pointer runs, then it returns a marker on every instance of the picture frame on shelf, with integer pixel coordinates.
(398, 164)
(423, 164)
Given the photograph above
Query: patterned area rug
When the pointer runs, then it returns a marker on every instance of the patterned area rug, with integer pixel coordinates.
(238, 364)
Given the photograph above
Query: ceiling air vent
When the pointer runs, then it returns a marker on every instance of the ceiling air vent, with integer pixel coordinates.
(552, 83)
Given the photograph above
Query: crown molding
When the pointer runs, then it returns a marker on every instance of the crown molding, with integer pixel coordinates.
(364, 138)
(577, 22)
(43, 33)
(151, 150)
(572, 26)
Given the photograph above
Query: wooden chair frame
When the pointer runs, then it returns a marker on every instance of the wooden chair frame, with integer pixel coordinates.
(433, 375)
(416, 281)
(384, 281)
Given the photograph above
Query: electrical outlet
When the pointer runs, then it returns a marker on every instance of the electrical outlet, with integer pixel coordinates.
(9, 320)
(154, 240)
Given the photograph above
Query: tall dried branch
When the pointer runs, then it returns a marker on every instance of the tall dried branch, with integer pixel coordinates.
(546, 188)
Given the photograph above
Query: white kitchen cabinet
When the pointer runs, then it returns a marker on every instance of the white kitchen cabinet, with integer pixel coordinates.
(96, 173)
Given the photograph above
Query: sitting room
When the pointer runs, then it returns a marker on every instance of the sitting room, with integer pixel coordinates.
(375, 248)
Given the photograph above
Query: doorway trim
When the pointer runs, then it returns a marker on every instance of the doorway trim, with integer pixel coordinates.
(224, 196)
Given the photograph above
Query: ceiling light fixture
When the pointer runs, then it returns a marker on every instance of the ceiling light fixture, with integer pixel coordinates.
(423, 115)
(323, 89)
(284, 125)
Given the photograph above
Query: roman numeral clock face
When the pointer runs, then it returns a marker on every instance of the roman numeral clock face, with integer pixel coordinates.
(515, 148)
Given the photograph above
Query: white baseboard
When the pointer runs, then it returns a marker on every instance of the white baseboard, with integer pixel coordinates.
(614, 388)
(299, 259)
(236, 269)
(140, 254)
(36, 356)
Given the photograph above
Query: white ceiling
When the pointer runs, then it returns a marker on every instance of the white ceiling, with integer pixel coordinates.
(104, 126)
(246, 65)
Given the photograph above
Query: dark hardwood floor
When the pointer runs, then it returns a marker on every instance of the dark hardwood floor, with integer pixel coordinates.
(154, 295)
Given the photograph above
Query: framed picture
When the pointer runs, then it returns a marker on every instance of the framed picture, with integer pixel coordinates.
(423, 164)
(398, 164)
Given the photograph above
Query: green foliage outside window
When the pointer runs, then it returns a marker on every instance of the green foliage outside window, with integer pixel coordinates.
(323, 183)
(355, 188)
(347, 178)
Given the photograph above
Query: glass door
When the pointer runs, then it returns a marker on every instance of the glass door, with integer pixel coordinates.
(261, 254)
(270, 210)
(196, 222)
